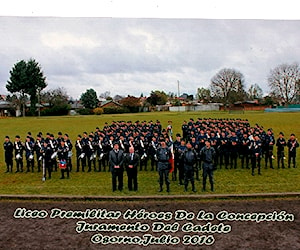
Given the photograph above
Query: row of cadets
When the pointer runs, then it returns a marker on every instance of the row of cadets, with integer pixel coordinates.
(55, 153)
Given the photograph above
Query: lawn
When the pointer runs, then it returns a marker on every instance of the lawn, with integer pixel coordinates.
(99, 183)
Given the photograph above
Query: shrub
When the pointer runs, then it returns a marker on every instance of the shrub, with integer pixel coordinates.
(56, 110)
(98, 111)
(115, 110)
(85, 111)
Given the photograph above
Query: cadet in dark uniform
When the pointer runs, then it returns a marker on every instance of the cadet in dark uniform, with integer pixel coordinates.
(224, 150)
(143, 149)
(79, 153)
(116, 161)
(207, 155)
(101, 152)
(176, 145)
(180, 150)
(269, 145)
(53, 144)
(163, 165)
(131, 164)
(152, 152)
(91, 153)
(47, 152)
(62, 155)
(256, 153)
(189, 160)
(18, 146)
(234, 148)
(280, 144)
(195, 146)
(8, 153)
(184, 129)
(38, 151)
(29, 152)
(292, 145)
(69, 145)
(244, 150)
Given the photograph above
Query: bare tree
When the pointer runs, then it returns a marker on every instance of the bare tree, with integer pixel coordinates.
(227, 86)
(284, 81)
(255, 92)
(105, 95)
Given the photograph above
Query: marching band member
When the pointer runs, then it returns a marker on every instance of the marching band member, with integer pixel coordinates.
(38, 150)
(69, 145)
(62, 155)
(29, 152)
(18, 147)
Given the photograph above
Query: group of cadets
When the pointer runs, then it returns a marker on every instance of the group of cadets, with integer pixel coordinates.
(50, 153)
(235, 139)
(231, 139)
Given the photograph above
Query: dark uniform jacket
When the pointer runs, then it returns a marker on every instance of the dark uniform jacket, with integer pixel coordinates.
(163, 156)
(208, 156)
(8, 148)
(116, 159)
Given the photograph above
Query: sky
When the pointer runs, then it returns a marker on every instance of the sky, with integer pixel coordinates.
(133, 55)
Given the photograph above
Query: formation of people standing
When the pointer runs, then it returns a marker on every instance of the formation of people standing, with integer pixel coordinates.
(235, 139)
(205, 144)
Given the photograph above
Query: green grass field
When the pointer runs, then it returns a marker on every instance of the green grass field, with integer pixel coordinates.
(99, 183)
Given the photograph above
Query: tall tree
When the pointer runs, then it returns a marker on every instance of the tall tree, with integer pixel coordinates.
(227, 86)
(255, 92)
(57, 100)
(157, 98)
(27, 78)
(132, 103)
(55, 97)
(284, 81)
(89, 99)
(203, 94)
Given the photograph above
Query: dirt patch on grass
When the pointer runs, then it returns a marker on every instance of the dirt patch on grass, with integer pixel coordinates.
(60, 232)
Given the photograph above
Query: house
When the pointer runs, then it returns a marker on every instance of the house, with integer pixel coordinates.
(249, 105)
(110, 103)
(5, 106)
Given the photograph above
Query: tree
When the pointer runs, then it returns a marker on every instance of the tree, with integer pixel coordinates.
(284, 81)
(55, 97)
(255, 92)
(56, 100)
(157, 98)
(26, 78)
(227, 86)
(203, 94)
(132, 103)
(105, 95)
(89, 99)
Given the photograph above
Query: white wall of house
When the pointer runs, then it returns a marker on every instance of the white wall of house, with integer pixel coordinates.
(199, 107)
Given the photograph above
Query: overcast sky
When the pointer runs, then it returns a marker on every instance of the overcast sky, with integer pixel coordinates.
(130, 56)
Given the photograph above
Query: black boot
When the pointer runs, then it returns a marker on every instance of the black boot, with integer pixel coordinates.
(168, 188)
(160, 188)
